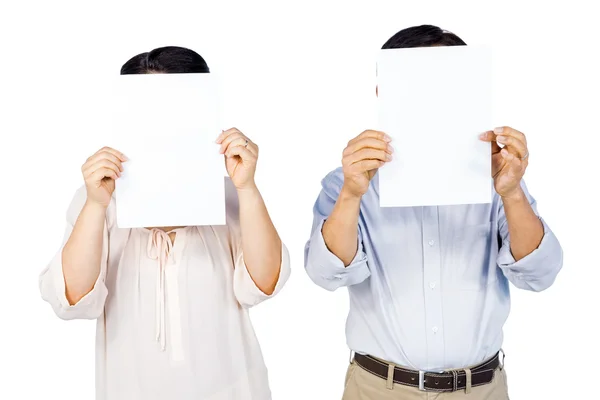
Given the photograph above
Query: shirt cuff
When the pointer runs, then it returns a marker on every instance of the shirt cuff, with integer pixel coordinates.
(539, 268)
(246, 291)
(327, 270)
(86, 307)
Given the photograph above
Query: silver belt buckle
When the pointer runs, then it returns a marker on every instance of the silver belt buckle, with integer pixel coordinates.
(422, 381)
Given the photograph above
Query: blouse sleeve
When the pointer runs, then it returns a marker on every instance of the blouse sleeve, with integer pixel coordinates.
(52, 280)
(246, 291)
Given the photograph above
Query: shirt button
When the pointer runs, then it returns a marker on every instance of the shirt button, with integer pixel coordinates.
(432, 285)
(435, 329)
(431, 242)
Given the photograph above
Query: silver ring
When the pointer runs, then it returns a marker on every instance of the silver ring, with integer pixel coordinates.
(246, 145)
(525, 157)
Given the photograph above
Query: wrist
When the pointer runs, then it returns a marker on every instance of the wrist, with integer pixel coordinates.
(249, 187)
(94, 206)
(348, 195)
(514, 196)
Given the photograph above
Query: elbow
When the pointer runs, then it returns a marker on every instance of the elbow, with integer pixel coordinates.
(74, 296)
(536, 286)
(329, 283)
(267, 286)
(539, 283)
(67, 315)
(325, 283)
(79, 310)
(90, 306)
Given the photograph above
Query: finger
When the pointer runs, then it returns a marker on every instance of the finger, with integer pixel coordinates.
(230, 139)
(101, 164)
(103, 155)
(240, 151)
(102, 173)
(114, 152)
(488, 136)
(367, 154)
(368, 142)
(244, 142)
(514, 163)
(364, 166)
(372, 134)
(508, 131)
(226, 133)
(513, 145)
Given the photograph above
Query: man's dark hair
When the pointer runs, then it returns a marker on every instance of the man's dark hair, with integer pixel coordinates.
(422, 36)
(166, 60)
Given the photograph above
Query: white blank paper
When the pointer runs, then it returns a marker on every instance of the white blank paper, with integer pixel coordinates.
(434, 102)
(166, 124)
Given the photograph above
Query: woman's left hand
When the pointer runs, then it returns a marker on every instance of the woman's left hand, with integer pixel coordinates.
(241, 155)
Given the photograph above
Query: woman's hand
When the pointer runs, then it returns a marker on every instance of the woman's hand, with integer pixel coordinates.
(241, 155)
(100, 172)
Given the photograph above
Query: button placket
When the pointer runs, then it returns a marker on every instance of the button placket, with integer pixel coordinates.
(431, 278)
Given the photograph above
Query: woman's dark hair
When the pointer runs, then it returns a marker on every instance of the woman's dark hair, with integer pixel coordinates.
(166, 60)
(423, 36)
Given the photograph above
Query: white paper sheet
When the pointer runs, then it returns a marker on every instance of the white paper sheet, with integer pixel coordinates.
(434, 102)
(166, 124)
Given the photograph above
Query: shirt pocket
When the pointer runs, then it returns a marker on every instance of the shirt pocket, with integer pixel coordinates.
(471, 259)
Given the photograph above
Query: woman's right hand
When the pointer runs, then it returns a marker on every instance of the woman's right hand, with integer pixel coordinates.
(100, 172)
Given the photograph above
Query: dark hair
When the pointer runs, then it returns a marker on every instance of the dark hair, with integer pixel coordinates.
(422, 36)
(166, 60)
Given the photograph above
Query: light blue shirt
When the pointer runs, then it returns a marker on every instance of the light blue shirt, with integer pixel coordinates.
(429, 286)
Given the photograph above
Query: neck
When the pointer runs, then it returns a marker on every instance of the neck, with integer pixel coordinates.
(166, 228)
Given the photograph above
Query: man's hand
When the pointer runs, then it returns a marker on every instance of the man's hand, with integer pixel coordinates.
(363, 156)
(508, 163)
(241, 155)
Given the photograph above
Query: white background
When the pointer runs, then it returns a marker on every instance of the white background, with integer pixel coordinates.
(300, 81)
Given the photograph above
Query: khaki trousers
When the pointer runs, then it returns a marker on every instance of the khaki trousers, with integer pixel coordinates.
(362, 385)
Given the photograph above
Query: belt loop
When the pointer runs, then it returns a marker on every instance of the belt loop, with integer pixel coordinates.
(454, 380)
(390, 377)
(351, 356)
(502, 362)
(468, 383)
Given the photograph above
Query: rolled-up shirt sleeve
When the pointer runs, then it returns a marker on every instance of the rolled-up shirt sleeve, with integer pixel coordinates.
(538, 270)
(246, 292)
(322, 266)
(52, 279)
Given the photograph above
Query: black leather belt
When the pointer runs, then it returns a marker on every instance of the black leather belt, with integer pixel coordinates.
(450, 381)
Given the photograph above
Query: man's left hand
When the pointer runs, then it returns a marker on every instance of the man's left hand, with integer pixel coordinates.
(508, 163)
(241, 155)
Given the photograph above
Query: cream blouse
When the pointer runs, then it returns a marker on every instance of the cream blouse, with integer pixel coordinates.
(172, 320)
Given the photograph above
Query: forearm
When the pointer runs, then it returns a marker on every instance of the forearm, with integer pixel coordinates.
(261, 244)
(81, 255)
(340, 231)
(525, 228)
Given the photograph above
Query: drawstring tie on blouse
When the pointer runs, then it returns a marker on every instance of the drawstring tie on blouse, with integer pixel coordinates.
(159, 248)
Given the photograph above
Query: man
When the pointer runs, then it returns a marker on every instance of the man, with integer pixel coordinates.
(428, 286)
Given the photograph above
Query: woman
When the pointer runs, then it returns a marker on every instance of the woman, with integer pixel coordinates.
(171, 303)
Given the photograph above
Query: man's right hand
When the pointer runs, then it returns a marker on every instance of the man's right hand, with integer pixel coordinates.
(363, 156)
(100, 172)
